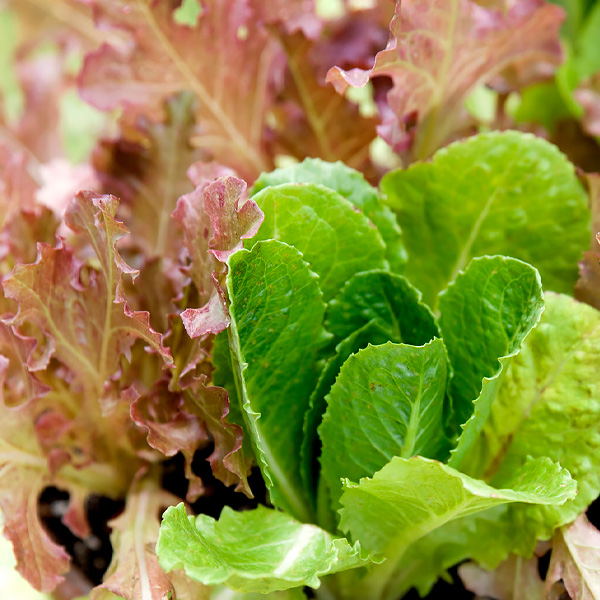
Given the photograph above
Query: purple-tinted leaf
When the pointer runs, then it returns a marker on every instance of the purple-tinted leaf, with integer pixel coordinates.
(311, 118)
(157, 57)
(23, 468)
(171, 429)
(588, 95)
(517, 578)
(82, 312)
(18, 384)
(439, 51)
(17, 186)
(215, 222)
(147, 168)
(228, 460)
(134, 573)
(576, 560)
(587, 288)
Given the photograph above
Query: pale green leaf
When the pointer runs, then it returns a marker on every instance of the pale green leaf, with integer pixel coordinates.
(548, 405)
(261, 550)
(276, 331)
(335, 240)
(495, 193)
(410, 498)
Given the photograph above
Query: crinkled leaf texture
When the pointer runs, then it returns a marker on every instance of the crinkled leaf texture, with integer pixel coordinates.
(275, 335)
(153, 57)
(350, 184)
(387, 401)
(576, 560)
(497, 193)
(439, 51)
(259, 550)
(410, 498)
(335, 240)
(546, 406)
(24, 470)
(217, 209)
(146, 167)
(88, 325)
(486, 314)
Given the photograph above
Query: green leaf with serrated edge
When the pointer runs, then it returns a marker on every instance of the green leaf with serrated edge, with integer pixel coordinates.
(495, 193)
(410, 498)
(371, 333)
(352, 185)
(387, 401)
(548, 405)
(276, 333)
(486, 314)
(335, 239)
(386, 298)
(261, 550)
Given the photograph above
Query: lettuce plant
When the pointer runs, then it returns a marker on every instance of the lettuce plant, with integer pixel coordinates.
(286, 240)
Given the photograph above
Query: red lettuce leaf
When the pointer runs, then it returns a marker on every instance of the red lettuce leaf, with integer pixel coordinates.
(24, 475)
(588, 95)
(575, 560)
(214, 222)
(228, 460)
(157, 57)
(587, 288)
(146, 167)
(171, 429)
(439, 51)
(134, 572)
(82, 311)
(311, 118)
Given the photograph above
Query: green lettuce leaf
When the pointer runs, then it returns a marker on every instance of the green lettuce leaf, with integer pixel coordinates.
(374, 307)
(261, 550)
(486, 314)
(547, 406)
(335, 239)
(410, 498)
(388, 299)
(496, 193)
(387, 401)
(371, 333)
(276, 332)
(352, 185)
